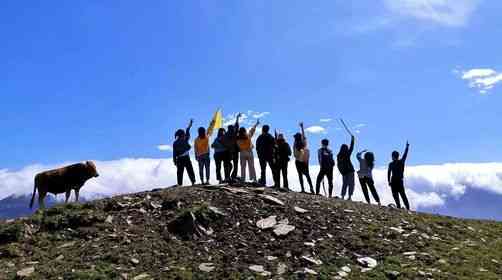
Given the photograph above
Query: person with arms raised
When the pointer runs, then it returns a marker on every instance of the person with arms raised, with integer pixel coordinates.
(232, 148)
(245, 144)
(282, 153)
(365, 174)
(302, 155)
(181, 154)
(201, 147)
(395, 177)
(221, 156)
(346, 168)
(327, 163)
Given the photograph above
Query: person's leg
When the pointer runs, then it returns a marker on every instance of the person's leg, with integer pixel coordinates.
(252, 170)
(404, 197)
(320, 177)
(244, 161)
(351, 183)
(235, 162)
(371, 186)
(285, 176)
(275, 173)
(300, 174)
(395, 194)
(208, 169)
(180, 165)
(263, 171)
(364, 186)
(309, 180)
(344, 186)
(218, 161)
(329, 174)
(200, 161)
(191, 173)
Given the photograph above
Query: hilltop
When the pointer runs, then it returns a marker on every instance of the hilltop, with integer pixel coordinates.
(243, 231)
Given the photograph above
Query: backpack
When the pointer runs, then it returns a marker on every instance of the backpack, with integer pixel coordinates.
(327, 158)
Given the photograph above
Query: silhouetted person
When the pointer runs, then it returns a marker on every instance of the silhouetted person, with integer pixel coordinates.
(232, 148)
(221, 155)
(302, 155)
(265, 149)
(246, 152)
(201, 147)
(181, 154)
(346, 168)
(327, 163)
(395, 176)
(282, 154)
(365, 174)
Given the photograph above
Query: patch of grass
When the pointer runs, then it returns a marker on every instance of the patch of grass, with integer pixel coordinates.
(10, 233)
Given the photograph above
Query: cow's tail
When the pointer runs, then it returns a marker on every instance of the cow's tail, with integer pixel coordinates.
(34, 192)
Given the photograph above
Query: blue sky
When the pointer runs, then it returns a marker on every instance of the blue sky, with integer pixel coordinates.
(106, 81)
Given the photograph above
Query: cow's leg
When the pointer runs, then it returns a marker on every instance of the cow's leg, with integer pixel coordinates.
(41, 197)
(68, 194)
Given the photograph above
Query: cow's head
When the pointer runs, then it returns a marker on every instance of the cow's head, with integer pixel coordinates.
(92, 169)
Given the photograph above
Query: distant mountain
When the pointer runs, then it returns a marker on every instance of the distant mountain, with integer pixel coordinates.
(16, 206)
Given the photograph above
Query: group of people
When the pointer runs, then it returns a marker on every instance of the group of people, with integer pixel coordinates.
(235, 145)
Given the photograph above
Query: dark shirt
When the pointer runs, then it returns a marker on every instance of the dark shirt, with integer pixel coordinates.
(181, 146)
(283, 153)
(396, 168)
(344, 163)
(265, 146)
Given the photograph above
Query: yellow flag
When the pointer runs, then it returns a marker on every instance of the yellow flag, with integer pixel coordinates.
(216, 122)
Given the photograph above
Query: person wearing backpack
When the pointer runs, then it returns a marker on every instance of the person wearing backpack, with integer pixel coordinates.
(302, 155)
(395, 177)
(181, 155)
(221, 156)
(346, 168)
(282, 154)
(327, 163)
(365, 175)
(246, 151)
(232, 148)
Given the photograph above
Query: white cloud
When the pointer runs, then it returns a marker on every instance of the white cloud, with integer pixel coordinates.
(164, 147)
(325, 120)
(481, 79)
(315, 129)
(258, 115)
(246, 118)
(444, 12)
(427, 185)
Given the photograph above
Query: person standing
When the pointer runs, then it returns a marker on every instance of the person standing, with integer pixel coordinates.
(181, 154)
(245, 144)
(302, 155)
(232, 148)
(365, 175)
(201, 147)
(346, 168)
(327, 163)
(395, 177)
(282, 154)
(265, 149)
(221, 156)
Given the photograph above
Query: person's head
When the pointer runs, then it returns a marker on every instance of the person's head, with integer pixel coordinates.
(395, 155)
(325, 143)
(344, 149)
(231, 129)
(280, 138)
(180, 134)
(370, 159)
(265, 129)
(299, 144)
(221, 132)
(242, 133)
(202, 132)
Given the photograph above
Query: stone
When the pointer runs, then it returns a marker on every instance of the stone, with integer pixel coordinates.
(216, 211)
(60, 258)
(109, 219)
(310, 271)
(142, 276)
(134, 261)
(26, 272)
(66, 245)
(300, 210)
(367, 262)
(343, 274)
(282, 229)
(312, 260)
(260, 270)
(346, 269)
(271, 258)
(398, 230)
(271, 199)
(392, 275)
(206, 267)
(266, 223)
(281, 268)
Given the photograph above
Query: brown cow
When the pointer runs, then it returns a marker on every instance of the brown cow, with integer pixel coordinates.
(63, 180)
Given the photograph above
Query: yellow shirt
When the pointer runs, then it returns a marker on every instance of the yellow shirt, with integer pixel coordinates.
(201, 146)
(246, 144)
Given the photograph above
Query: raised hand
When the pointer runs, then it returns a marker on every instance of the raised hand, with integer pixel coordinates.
(301, 124)
(407, 144)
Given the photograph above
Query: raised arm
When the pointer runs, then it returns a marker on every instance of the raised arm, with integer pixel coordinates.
(210, 128)
(359, 155)
(237, 122)
(405, 155)
(187, 132)
(303, 131)
(389, 172)
(352, 142)
(253, 129)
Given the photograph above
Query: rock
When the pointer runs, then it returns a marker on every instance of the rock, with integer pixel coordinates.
(281, 268)
(398, 230)
(282, 229)
(271, 199)
(346, 269)
(206, 267)
(134, 261)
(109, 219)
(367, 262)
(26, 272)
(283, 221)
(343, 274)
(392, 275)
(312, 260)
(60, 258)
(66, 245)
(300, 210)
(271, 258)
(269, 222)
(310, 244)
(348, 211)
(216, 211)
(310, 271)
(142, 276)
(155, 205)
(260, 270)
(410, 253)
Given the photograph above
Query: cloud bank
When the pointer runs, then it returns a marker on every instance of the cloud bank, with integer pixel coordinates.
(451, 13)
(481, 79)
(315, 129)
(427, 185)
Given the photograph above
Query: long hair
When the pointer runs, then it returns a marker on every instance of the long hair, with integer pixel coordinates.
(370, 159)
(242, 135)
(344, 150)
(299, 143)
(221, 132)
(179, 133)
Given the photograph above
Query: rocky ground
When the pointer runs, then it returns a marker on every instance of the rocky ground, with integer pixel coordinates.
(236, 232)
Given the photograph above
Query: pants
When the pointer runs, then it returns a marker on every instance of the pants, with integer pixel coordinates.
(303, 170)
(222, 158)
(263, 167)
(181, 164)
(234, 158)
(204, 163)
(348, 181)
(397, 187)
(247, 158)
(328, 172)
(367, 182)
(282, 168)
